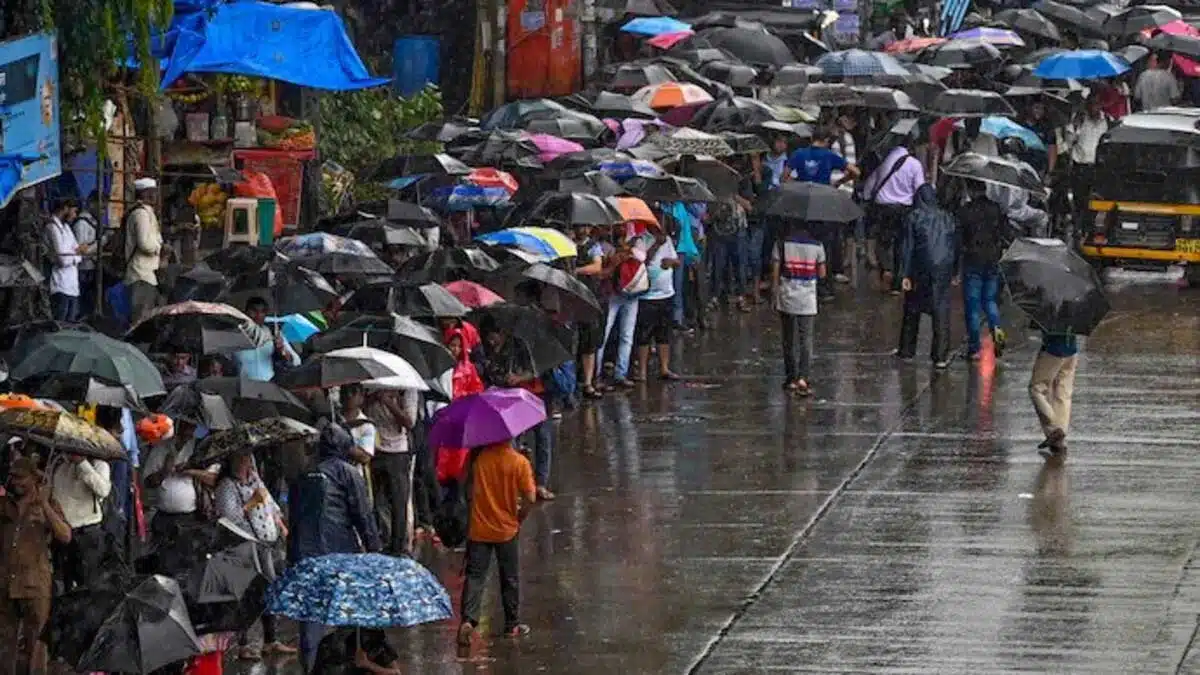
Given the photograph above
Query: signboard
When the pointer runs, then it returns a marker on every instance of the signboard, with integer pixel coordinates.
(29, 121)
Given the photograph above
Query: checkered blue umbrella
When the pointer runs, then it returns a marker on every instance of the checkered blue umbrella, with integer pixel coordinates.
(859, 63)
(367, 590)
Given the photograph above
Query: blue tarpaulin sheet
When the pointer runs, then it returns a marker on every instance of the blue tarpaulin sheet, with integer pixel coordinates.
(307, 47)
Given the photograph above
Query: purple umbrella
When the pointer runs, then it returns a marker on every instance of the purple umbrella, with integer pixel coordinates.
(998, 37)
(550, 147)
(495, 416)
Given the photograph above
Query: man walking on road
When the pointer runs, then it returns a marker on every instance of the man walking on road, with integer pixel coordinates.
(982, 240)
(501, 491)
(797, 263)
(1050, 387)
(927, 263)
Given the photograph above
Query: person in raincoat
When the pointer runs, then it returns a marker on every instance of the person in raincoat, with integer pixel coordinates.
(330, 513)
(928, 263)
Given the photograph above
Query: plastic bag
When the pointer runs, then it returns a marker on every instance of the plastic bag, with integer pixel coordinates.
(259, 186)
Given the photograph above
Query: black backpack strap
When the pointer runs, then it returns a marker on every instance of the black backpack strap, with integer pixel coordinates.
(896, 166)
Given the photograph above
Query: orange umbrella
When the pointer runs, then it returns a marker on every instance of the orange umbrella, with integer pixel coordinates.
(19, 402)
(489, 177)
(912, 45)
(634, 210)
(671, 95)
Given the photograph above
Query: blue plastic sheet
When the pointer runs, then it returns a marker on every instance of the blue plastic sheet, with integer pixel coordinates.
(307, 47)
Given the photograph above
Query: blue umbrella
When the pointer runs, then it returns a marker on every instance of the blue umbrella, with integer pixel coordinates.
(1002, 127)
(655, 25)
(1081, 64)
(859, 63)
(367, 590)
(296, 327)
(624, 169)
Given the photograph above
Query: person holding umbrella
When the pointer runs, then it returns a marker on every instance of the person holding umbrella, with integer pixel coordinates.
(1051, 385)
(928, 260)
(259, 363)
(983, 230)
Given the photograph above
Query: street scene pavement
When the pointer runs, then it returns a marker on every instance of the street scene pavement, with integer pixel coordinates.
(899, 521)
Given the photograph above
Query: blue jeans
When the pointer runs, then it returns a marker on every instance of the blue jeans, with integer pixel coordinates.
(626, 310)
(679, 279)
(728, 265)
(543, 448)
(64, 307)
(755, 237)
(980, 288)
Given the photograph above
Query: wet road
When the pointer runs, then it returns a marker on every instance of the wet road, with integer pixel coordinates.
(898, 522)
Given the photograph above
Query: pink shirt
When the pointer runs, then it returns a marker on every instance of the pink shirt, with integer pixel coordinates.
(902, 186)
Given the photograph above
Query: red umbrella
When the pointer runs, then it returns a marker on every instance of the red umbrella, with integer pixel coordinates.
(472, 294)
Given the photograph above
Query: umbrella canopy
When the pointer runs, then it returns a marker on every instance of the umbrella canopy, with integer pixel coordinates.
(18, 273)
(472, 294)
(912, 45)
(671, 95)
(198, 328)
(692, 142)
(733, 74)
(753, 46)
(379, 234)
(288, 288)
(519, 114)
(538, 334)
(1002, 127)
(1029, 22)
(1185, 45)
(249, 437)
(417, 344)
(590, 182)
(884, 98)
(744, 144)
(438, 164)
(330, 254)
(970, 103)
(654, 25)
(61, 431)
(189, 403)
(1059, 290)
(669, 189)
(441, 132)
(137, 630)
(1066, 16)
(197, 283)
(812, 202)
(574, 129)
(239, 260)
(293, 327)
(634, 76)
(1082, 64)
(421, 301)
(367, 590)
(86, 353)
(822, 94)
(858, 63)
(721, 180)
(573, 209)
(963, 54)
(634, 210)
(350, 366)
(576, 302)
(733, 113)
(81, 388)
(412, 215)
(795, 73)
(494, 416)
(252, 400)
(540, 240)
(994, 170)
(1134, 20)
(448, 264)
(612, 104)
(997, 37)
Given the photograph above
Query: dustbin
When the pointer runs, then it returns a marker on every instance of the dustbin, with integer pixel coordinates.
(416, 62)
(266, 221)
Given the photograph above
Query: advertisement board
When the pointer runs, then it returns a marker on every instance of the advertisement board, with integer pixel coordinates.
(29, 119)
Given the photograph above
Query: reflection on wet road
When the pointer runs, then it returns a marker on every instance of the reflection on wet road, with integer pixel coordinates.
(897, 522)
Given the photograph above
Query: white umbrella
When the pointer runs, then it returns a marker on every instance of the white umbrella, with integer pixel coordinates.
(403, 375)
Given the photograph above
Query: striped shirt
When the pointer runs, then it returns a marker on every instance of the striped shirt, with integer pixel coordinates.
(799, 270)
(844, 145)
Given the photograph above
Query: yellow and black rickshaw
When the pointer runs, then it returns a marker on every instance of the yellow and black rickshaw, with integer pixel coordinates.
(1145, 202)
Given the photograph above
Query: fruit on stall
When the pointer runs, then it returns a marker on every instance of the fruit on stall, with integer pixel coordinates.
(209, 201)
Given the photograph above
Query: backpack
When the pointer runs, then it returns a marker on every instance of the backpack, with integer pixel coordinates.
(453, 517)
(631, 278)
(119, 249)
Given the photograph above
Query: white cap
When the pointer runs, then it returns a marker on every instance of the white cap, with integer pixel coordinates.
(145, 184)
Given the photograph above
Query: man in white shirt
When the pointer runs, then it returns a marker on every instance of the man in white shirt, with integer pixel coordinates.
(143, 248)
(1083, 137)
(64, 275)
(654, 307)
(87, 230)
(393, 414)
(174, 489)
(1157, 86)
(80, 485)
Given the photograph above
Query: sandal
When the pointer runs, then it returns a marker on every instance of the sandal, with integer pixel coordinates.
(591, 392)
(667, 376)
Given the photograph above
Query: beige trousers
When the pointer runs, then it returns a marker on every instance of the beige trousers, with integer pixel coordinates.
(1050, 388)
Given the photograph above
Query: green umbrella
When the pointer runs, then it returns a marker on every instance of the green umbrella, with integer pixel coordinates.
(73, 351)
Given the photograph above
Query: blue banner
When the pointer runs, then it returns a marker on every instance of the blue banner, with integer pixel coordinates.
(29, 122)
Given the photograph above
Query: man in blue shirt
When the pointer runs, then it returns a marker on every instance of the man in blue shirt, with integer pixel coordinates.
(816, 163)
(259, 363)
(1050, 388)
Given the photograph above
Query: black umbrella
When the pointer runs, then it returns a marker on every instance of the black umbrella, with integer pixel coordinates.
(970, 103)
(330, 254)
(591, 182)
(1066, 16)
(795, 73)
(744, 144)
(288, 288)
(252, 400)
(669, 188)
(189, 403)
(720, 179)
(754, 46)
(1134, 53)
(570, 128)
(964, 54)
(10, 336)
(733, 113)
(1029, 22)
(576, 163)
(61, 431)
(503, 149)
(683, 60)
(533, 327)
(80, 388)
(240, 260)
(419, 345)
(1176, 44)
(441, 132)
(86, 353)
(811, 202)
(196, 283)
(1052, 284)
(994, 170)
(519, 115)
(447, 264)
(573, 209)
(612, 104)
(575, 301)
(420, 301)
(884, 98)
(138, 629)
(411, 215)
(248, 437)
(198, 328)
(379, 234)
(1134, 20)
(799, 129)
(418, 165)
(634, 76)
(827, 95)
(733, 74)
(18, 273)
